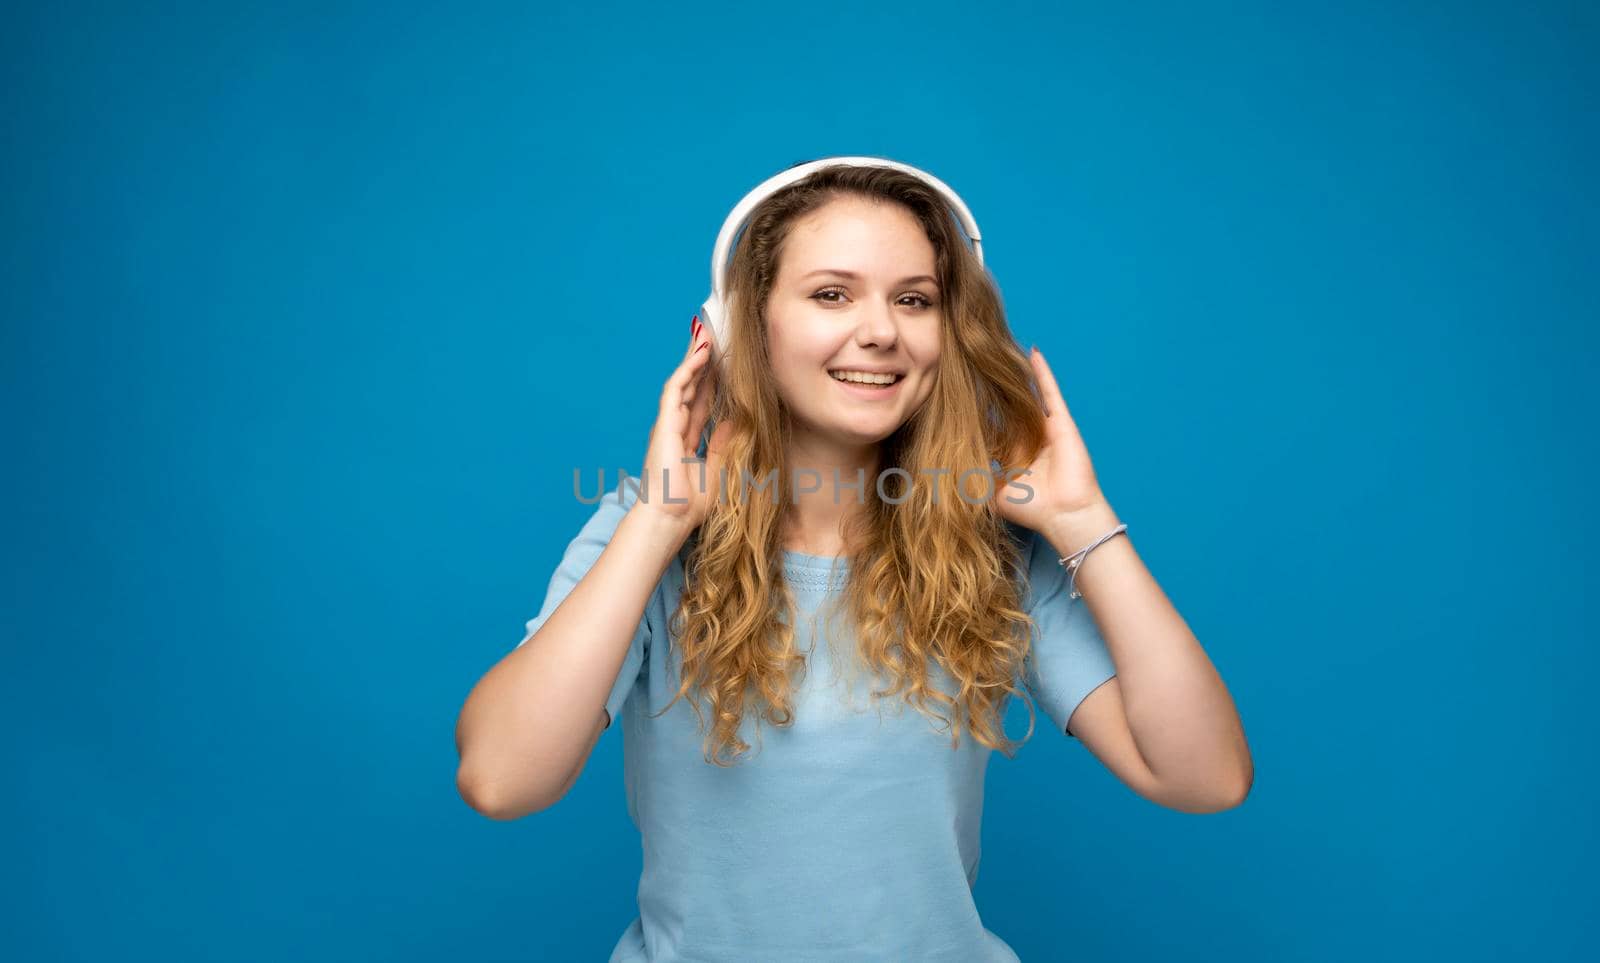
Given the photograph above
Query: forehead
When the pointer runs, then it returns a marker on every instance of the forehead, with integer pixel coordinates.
(860, 235)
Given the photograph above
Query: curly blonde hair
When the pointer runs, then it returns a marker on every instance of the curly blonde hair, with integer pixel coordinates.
(936, 577)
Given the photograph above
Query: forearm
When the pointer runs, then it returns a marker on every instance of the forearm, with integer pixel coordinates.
(1178, 710)
(529, 724)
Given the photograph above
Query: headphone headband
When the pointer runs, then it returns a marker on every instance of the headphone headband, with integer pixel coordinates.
(714, 312)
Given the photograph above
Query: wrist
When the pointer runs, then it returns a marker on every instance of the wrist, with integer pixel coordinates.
(659, 527)
(1070, 531)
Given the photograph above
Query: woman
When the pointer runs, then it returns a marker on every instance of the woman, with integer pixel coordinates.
(820, 802)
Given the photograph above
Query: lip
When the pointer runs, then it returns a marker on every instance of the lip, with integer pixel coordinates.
(869, 369)
(870, 394)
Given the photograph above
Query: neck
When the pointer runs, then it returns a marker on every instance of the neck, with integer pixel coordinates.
(815, 522)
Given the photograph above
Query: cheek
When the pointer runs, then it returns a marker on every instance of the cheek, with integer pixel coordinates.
(799, 347)
(794, 360)
(780, 346)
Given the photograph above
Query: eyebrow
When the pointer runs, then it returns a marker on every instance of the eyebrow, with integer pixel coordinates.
(853, 276)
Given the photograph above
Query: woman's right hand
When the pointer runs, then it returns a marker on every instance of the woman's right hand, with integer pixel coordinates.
(685, 406)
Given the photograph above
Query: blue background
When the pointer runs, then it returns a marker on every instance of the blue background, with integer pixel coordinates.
(310, 311)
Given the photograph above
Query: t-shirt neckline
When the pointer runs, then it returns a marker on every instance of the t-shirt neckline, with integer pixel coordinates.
(814, 571)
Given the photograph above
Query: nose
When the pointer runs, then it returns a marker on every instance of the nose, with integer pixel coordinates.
(878, 327)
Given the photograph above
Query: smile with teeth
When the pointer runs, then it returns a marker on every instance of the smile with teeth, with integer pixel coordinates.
(866, 378)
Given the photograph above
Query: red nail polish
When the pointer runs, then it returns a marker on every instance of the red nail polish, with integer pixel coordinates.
(703, 344)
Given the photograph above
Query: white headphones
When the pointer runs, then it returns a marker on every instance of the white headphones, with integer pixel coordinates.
(714, 313)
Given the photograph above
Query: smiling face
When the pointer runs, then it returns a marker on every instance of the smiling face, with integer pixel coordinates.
(856, 298)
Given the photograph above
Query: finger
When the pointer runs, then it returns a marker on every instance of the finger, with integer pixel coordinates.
(695, 364)
(703, 387)
(697, 332)
(672, 418)
(681, 376)
(671, 412)
(702, 391)
(699, 384)
(690, 362)
(1055, 406)
(699, 378)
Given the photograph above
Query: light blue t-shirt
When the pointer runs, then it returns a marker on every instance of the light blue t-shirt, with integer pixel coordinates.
(852, 834)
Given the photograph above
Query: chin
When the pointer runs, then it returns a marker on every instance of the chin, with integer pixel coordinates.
(864, 434)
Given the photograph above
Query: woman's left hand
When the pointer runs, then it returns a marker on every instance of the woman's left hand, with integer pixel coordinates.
(1065, 504)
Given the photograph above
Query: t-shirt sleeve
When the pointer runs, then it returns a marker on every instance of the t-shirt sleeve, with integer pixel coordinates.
(1069, 658)
(580, 555)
